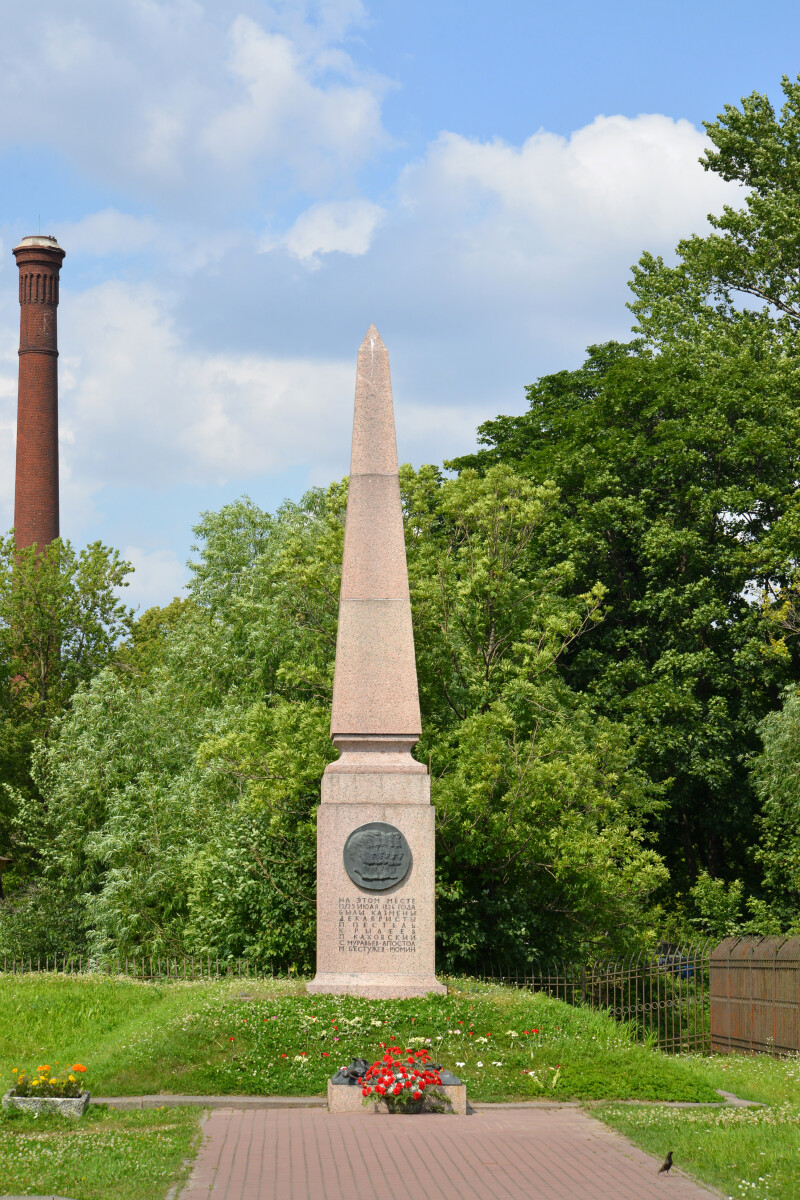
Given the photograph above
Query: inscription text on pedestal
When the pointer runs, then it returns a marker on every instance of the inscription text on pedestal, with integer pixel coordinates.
(377, 925)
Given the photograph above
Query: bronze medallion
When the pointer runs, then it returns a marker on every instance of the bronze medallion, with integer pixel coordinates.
(377, 856)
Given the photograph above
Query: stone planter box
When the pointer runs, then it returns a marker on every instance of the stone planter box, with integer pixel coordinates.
(68, 1106)
(343, 1098)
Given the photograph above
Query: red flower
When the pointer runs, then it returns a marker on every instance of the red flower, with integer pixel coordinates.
(534, 1031)
(398, 1089)
(325, 1054)
(417, 1095)
(230, 1039)
(365, 1091)
(283, 1056)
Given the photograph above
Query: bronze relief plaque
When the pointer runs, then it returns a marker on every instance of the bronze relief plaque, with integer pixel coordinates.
(377, 856)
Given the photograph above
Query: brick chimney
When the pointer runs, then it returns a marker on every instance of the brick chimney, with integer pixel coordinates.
(39, 260)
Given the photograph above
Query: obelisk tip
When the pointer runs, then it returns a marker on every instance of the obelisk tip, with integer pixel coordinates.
(372, 335)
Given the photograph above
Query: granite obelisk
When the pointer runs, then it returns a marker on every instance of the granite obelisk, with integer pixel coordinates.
(375, 834)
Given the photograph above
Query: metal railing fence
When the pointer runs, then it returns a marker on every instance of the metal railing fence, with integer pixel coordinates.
(663, 996)
(150, 968)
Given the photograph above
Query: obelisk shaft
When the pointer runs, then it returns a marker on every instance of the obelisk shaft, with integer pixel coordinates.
(375, 683)
(375, 825)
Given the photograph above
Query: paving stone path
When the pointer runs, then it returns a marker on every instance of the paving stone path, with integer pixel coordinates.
(507, 1154)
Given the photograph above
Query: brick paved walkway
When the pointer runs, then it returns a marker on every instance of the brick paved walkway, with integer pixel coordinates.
(512, 1154)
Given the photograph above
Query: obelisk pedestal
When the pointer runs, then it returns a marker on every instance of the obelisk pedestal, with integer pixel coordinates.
(375, 823)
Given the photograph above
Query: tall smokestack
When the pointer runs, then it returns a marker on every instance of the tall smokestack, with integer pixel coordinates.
(39, 260)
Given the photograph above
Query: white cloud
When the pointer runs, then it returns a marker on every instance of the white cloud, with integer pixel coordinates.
(189, 104)
(157, 577)
(491, 264)
(346, 227)
(283, 114)
(142, 408)
(620, 178)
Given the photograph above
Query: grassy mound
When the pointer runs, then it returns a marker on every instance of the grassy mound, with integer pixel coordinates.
(272, 1039)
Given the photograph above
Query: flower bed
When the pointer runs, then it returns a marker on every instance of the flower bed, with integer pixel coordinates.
(406, 1081)
(44, 1091)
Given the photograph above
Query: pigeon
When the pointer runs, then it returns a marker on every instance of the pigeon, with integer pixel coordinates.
(666, 1165)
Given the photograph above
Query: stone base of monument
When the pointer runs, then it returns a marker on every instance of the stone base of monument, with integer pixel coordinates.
(343, 1098)
(375, 943)
(375, 987)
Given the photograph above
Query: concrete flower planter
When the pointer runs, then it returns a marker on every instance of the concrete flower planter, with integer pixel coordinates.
(343, 1099)
(68, 1106)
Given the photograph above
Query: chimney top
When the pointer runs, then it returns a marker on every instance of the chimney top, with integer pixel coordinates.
(44, 240)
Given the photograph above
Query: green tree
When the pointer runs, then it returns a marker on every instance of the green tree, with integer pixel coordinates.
(676, 460)
(60, 619)
(180, 790)
(777, 781)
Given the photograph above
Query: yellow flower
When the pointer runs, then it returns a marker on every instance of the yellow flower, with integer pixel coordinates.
(34, 1083)
(13, 1070)
(72, 1078)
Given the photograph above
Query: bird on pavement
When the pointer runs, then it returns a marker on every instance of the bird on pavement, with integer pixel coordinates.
(666, 1165)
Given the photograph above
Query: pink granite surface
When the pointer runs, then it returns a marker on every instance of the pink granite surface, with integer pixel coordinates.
(376, 787)
(354, 926)
(375, 679)
(368, 753)
(374, 449)
(374, 565)
(375, 943)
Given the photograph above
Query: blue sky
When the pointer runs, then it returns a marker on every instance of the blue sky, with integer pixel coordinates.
(241, 188)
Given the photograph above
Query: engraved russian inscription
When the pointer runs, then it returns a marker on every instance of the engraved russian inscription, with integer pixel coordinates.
(377, 856)
(377, 925)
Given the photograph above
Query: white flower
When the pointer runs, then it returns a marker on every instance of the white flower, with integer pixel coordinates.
(478, 1064)
(461, 1064)
(496, 1064)
(374, 1021)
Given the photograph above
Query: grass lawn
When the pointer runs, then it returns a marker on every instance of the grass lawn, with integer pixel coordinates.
(127, 1155)
(271, 1038)
(753, 1153)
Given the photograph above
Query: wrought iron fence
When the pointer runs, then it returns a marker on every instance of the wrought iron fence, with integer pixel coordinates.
(150, 968)
(664, 996)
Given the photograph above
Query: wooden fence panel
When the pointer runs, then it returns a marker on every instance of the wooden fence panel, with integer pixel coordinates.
(755, 995)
